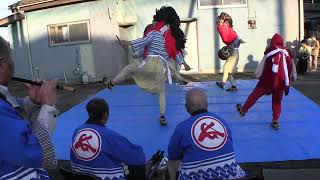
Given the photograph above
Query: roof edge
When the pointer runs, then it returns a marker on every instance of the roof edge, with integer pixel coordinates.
(4, 22)
(45, 4)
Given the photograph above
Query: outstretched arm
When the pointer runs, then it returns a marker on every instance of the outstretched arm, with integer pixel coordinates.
(141, 43)
(180, 60)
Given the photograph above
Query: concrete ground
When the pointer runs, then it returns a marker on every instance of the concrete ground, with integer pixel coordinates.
(292, 174)
(308, 84)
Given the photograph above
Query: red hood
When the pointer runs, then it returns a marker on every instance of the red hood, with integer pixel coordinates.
(277, 40)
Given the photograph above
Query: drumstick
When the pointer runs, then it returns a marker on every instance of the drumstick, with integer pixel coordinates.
(118, 38)
(120, 41)
(66, 88)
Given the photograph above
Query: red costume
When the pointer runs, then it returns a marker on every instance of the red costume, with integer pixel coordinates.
(228, 35)
(277, 71)
(170, 41)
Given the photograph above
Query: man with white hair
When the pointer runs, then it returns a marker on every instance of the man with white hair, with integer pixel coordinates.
(26, 146)
(202, 145)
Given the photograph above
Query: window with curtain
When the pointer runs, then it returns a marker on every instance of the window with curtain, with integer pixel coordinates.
(69, 33)
(221, 3)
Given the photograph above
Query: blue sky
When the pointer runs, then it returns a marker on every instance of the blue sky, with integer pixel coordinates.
(3, 13)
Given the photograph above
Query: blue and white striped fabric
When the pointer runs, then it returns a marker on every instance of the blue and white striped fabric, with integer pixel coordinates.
(103, 173)
(26, 173)
(222, 167)
(155, 43)
(179, 58)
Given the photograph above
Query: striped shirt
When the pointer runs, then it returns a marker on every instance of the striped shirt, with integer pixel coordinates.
(155, 43)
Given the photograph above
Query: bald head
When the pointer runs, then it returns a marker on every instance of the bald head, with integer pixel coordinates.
(196, 100)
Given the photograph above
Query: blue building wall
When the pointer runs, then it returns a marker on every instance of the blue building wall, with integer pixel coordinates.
(272, 16)
(104, 57)
(99, 57)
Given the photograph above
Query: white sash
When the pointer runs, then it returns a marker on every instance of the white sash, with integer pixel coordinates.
(275, 67)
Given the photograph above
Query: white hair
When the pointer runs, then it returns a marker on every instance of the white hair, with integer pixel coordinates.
(196, 100)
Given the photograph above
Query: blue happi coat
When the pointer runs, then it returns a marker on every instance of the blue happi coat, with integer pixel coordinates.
(204, 145)
(102, 152)
(20, 151)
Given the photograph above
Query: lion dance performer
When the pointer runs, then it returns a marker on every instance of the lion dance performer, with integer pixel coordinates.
(164, 40)
(233, 41)
(275, 72)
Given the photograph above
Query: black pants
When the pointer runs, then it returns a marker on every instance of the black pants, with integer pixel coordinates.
(302, 65)
(136, 173)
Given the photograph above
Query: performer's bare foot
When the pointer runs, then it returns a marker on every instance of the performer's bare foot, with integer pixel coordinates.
(275, 124)
(163, 121)
(239, 107)
(107, 82)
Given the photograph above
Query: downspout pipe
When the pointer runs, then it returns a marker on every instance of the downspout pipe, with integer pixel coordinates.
(28, 42)
(299, 12)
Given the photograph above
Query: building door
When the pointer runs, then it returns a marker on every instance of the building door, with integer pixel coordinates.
(189, 27)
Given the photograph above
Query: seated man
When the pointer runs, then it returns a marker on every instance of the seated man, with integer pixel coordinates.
(26, 147)
(100, 151)
(203, 143)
